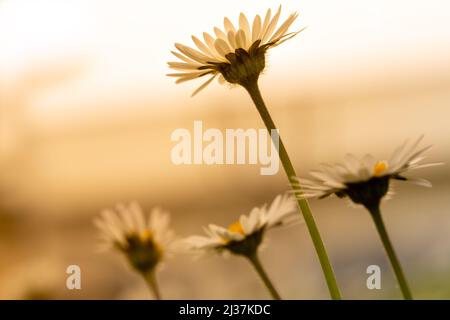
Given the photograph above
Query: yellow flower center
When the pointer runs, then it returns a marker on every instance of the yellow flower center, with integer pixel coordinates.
(380, 168)
(236, 227)
(146, 235)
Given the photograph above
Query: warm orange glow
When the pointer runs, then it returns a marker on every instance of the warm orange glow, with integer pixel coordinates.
(87, 112)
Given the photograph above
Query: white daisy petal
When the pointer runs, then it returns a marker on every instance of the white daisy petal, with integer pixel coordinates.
(228, 25)
(220, 34)
(182, 66)
(192, 75)
(232, 39)
(266, 23)
(203, 48)
(420, 182)
(241, 41)
(271, 26)
(192, 53)
(245, 27)
(256, 28)
(284, 27)
(222, 47)
(185, 59)
(209, 40)
(204, 85)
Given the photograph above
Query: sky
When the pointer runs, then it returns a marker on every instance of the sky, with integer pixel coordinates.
(86, 111)
(123, 46)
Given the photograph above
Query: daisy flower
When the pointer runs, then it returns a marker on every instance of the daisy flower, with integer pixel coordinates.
(245, 236)
(366, 182)
(234, 54)
(145, 241)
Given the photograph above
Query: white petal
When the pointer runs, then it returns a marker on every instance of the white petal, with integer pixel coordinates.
(228, 25)
(265, 24)
(256, 28)
(284, 27)
(185, 59)
(126, 218)
(114, 225)
(241, 41)
(352, 164)
(192, 76)
(220, 34)
(204, 85)
(232, 39)
(192, 53)
(253, 220)
(183, 66)
(280, 209)
(420, 182)
(245, 27)
(271, 26)
(222, 47)
(202, 47)
(209, 40)
(286, 37)
(244, 221)
(138, 216)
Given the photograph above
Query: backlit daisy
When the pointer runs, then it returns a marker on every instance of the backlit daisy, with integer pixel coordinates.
(234, 54)
(245, 236)
(366, 181)
(145, 241)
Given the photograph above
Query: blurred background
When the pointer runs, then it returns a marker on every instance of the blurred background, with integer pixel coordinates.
(86, 114)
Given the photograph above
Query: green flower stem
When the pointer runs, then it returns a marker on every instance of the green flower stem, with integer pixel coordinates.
(376, 215)
(253, 89)
(150, 279)
(254, 260)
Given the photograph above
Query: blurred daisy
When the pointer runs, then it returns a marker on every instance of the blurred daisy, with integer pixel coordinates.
(245, 236)
(235, 54)
(145, 241)
(366, 181)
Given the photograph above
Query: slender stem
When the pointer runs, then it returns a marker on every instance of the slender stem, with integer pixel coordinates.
(150, 279)
(254, 260)
(376, 215)
(253, 90)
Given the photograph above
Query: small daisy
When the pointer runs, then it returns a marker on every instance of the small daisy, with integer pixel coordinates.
(245, 236)
(144, 241)
(235, 54)
(366, 182)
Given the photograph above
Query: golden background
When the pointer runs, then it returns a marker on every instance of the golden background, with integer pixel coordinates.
(86, 114)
